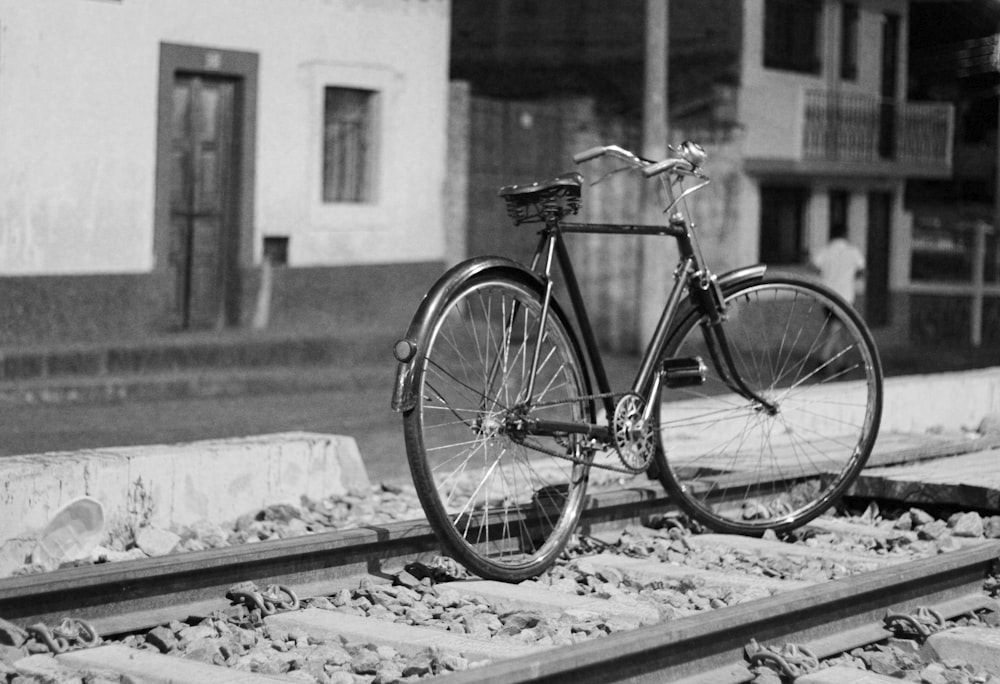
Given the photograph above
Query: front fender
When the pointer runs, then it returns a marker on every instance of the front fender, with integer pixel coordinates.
(742, 276)
(409, 350)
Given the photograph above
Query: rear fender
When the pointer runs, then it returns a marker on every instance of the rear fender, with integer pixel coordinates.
(409, 350)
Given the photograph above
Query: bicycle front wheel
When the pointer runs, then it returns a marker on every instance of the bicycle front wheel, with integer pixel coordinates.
(502, 500)
(747, 465)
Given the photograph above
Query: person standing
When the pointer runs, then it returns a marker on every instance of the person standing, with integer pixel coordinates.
(840, 265)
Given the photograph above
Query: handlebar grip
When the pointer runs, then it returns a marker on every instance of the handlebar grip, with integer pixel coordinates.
(587, 155)
(682, 165)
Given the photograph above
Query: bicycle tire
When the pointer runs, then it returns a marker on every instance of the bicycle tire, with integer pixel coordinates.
(728, 463)
(504, 509)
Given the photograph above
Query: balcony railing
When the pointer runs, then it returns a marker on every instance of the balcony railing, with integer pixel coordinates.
(842, 127)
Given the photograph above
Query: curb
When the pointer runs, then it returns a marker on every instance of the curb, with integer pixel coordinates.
(172, 486)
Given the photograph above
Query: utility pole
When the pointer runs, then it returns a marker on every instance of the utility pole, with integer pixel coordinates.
(657, 257)
(654, 109)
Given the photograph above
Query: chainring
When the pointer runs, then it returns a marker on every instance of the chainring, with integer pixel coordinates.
(634, 438)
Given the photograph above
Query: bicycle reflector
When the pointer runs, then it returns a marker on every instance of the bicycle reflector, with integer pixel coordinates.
(404, 350)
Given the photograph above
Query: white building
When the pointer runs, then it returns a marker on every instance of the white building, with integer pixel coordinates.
(831, 138)
(152, 152)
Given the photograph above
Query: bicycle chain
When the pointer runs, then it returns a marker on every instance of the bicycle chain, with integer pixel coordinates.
(574, 459)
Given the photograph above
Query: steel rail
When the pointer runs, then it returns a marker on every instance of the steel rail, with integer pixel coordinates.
(710, 647)
(133, 595)
(138, 594)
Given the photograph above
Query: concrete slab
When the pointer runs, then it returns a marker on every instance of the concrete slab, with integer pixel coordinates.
(647, 571)
(977, 646)
(844, 675)
(407, 639)
(970, 480)
(766, 548)
(156, 668)
(171, 486)
(859, 530)
(524, 596)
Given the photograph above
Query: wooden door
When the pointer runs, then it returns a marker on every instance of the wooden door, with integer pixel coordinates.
(203, 232)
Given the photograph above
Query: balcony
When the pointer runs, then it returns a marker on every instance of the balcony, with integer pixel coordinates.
(871, 135)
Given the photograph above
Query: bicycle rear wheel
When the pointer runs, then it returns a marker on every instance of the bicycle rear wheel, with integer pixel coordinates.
(502, 501)
(738, 467)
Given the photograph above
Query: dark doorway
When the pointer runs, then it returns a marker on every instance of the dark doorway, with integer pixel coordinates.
(889, 81)
(510, 142)
(877, 258)
(204, 213)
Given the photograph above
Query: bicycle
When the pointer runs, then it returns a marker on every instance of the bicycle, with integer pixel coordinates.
(503, 425)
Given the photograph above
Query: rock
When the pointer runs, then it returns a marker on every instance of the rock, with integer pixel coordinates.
(264, 663)
(990, 425)
(882, 663)
(934, 673)
(341, 598)
(162, 638)
(968, 525)
(156, 542)
(766, 676)
(208, 533)
(296, 527)
(991, 527)
(204, 650)
(341, 677)
(407, 579)
(517, 622)
(904, 523)
(453, 662)
(280, 512)
(947, 544)
(202, 630)
(365, 662)
(388, 673)
(386, 652)
(920, 517)
(935, 529)
(321, 603)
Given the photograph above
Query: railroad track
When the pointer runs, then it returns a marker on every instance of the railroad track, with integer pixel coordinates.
(668, 615)
(697, 644)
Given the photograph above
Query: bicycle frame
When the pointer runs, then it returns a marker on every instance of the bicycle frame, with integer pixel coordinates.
(689, 274)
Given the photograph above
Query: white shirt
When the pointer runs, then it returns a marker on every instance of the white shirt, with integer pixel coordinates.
(839, 263)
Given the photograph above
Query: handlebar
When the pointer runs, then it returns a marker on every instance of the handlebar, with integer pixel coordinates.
(678, 165)
(687, 164)
(611, 150)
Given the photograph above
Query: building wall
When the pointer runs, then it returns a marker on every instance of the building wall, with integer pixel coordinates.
(776, 131)
(771, 106)
(78, 132)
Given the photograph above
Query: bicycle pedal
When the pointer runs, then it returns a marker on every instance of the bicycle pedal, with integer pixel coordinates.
(683, 372)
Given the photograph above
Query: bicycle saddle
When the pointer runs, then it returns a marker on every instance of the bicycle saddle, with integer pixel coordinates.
(534, 192)
(552, 198)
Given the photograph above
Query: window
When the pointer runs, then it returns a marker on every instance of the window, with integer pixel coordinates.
(782, 223)
(348, 145)
(792, 35)
(849, 41)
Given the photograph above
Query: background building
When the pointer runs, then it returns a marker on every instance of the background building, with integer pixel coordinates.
(153, 155)
(804, 106)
